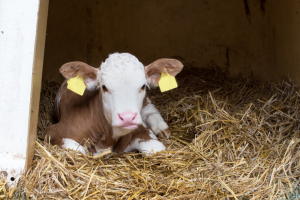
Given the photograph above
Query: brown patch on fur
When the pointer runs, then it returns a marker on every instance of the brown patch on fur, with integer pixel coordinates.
(145, 102)
(165, 133)
(141, 133)
(82, 118)
(141, 90)
(155, 69)
(72, 69)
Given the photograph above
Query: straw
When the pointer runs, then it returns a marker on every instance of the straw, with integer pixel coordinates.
(232, 138)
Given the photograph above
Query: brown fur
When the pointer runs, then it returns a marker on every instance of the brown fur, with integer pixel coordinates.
(72, 69)
(140, 133)
(145, 102)
(155, 69)
(82, 117)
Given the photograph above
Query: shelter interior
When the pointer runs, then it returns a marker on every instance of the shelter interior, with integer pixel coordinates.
(243, 36)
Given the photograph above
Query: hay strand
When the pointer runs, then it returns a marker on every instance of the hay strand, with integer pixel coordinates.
(232, 138)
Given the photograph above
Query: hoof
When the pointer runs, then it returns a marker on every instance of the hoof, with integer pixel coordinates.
(165, 133)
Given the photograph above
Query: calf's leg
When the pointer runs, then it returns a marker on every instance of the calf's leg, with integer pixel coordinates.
(147, 146)
(72, 144)
(153, 119)
(141, 139)
(53, 135)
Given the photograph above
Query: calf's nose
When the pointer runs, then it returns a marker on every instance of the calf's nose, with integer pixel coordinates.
(127, 119)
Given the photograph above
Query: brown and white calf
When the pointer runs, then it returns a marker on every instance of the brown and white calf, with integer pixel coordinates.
(114, 110)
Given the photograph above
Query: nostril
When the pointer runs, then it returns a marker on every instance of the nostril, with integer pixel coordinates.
(127, 118)
(134, 116)
(120, 117)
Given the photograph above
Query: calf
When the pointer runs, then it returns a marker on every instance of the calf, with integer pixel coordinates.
(114, 110)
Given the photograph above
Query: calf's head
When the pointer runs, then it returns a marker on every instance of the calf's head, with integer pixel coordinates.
(122, 80)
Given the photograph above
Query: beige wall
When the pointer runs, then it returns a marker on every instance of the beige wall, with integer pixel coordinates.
(261, 38)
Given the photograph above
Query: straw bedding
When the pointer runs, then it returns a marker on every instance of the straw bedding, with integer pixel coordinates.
(232, 138)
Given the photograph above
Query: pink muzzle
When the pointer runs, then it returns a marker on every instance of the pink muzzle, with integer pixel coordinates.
(127, 120)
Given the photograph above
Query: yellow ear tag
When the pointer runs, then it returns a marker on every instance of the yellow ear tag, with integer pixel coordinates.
(76, 85)
(167, 82)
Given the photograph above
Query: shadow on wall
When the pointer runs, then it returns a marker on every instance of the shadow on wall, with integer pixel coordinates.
(239, 35)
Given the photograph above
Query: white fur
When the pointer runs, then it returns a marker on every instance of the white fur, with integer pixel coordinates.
(151, 81)
(123, 75)
(153, 119)
(148, 147)
(91, 84)
(153, 136)
(72, 144)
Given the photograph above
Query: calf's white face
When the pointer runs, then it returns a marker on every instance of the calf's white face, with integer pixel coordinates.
(122, 80)
(123, 83)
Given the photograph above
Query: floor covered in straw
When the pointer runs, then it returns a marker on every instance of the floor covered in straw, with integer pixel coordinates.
(232, 138)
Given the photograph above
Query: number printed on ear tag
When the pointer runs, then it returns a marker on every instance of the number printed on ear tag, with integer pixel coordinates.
(76, 85)
(167, 82)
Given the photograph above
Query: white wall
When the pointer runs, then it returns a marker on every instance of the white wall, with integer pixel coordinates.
(18, 21)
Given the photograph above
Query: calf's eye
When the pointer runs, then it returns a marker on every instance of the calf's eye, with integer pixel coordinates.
(104, 88)
(143, 87)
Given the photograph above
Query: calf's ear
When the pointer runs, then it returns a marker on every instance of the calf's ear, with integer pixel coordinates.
(89, 73)
(155, 69)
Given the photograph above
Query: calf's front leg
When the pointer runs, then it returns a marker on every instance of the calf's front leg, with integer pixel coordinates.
(154, 121)
(141, 139)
